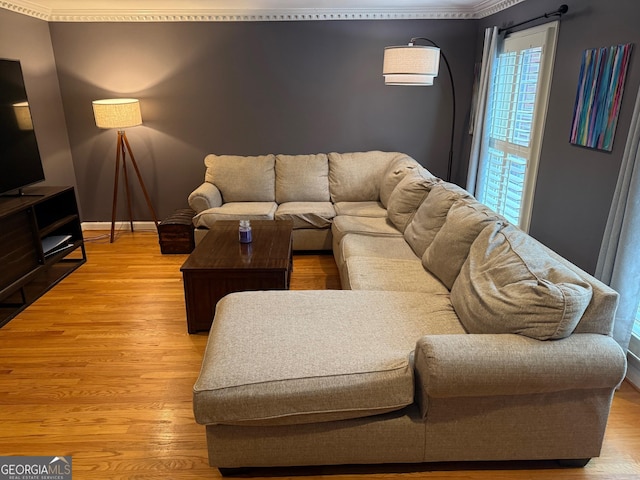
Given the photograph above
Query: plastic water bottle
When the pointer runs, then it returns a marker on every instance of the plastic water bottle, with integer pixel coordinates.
(245, 231)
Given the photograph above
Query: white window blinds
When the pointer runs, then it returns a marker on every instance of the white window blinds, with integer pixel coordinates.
(514, 123)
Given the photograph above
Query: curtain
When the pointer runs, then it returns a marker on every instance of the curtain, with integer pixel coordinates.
(489, 53)
(619, 260)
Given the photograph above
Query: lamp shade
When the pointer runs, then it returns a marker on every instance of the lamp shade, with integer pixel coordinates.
(117, 112)
(410, 65)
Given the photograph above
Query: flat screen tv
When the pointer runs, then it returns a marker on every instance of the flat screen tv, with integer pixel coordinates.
(20, 163)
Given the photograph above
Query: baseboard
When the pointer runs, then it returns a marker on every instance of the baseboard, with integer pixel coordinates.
(137, 226)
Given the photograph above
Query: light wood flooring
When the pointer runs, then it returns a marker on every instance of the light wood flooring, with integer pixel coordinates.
(102, 367)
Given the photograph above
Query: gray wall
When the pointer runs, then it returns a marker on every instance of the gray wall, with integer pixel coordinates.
(303, 87)
(575, 184)
(27, 39)
(249, 88)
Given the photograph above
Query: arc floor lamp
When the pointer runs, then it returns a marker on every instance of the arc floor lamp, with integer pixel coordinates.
(121, 113)
(418, 65)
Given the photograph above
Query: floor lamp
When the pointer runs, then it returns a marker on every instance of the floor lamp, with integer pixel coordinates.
(418, 65)
(121, 113)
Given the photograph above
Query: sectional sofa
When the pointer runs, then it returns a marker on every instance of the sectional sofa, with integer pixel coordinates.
(309, 189)
(456, 336)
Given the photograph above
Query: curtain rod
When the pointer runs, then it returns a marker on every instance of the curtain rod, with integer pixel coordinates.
(558, 13)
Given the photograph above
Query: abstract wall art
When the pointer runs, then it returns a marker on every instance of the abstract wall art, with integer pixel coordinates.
(599, 95)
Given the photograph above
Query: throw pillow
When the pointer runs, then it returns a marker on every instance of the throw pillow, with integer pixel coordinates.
(509, 284)
(450, 247)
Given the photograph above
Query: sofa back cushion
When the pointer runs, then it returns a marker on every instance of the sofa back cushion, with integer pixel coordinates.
(242, 179)
(450, 247)
(509, 284)
(599, 316)
(408, 195)
(395, 171)
(302, 178)
(355, 177)
(431, 215)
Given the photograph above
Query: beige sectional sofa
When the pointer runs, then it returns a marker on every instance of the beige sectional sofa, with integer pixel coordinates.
(308, 189)
(456, 337)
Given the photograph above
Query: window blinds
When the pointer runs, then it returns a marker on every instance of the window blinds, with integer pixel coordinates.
(511, 121)
(514, 122)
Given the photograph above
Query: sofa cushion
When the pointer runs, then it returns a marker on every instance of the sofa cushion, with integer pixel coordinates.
(377, 226)
(431, 215)
(361, 209)
(325, 362)
(242, 179)
(354, 245)
(392, 274)
(307, 214)
(509, 284)
(395, 171)
(408, 195)
(236, 211)
(450, 247)
(355, 177)
(302, 178)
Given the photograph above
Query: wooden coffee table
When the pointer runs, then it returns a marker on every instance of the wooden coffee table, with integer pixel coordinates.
(220, 264)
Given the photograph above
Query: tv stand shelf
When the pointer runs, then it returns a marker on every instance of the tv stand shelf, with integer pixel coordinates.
(26, 271)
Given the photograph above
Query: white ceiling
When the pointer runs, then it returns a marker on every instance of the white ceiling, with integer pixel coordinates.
(252, 10)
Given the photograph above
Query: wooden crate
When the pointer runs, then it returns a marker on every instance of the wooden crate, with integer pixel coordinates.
(175, 232)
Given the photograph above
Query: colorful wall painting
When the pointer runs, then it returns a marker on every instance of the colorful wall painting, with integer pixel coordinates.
(599, 96)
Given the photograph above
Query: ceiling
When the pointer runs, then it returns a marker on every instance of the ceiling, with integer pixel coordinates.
(252, 10)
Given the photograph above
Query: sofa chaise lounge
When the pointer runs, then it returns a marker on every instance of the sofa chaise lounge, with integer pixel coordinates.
(456, 337)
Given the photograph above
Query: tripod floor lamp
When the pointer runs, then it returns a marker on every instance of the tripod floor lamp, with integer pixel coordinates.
(418, 65)
(121, 113)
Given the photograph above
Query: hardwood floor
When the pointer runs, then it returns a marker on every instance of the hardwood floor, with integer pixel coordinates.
(102, 367)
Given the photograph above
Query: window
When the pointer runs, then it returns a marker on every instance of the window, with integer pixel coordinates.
(514, 122)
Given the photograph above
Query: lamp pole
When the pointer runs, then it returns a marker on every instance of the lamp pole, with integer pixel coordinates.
(453, 99)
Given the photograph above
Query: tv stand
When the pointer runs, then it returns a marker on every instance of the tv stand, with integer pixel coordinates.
(20, 193)
(43, 216)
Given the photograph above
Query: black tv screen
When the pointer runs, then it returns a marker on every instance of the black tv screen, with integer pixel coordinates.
(20, 163)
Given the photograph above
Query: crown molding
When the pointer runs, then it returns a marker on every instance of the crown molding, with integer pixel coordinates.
(33, 9)
(259, 15)
(26, 7)
(489, 7)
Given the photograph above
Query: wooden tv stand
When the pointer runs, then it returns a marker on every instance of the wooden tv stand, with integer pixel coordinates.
(27, 222)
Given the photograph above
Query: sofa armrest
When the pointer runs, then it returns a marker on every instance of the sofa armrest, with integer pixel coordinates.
(204, 197)
(509, 364)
